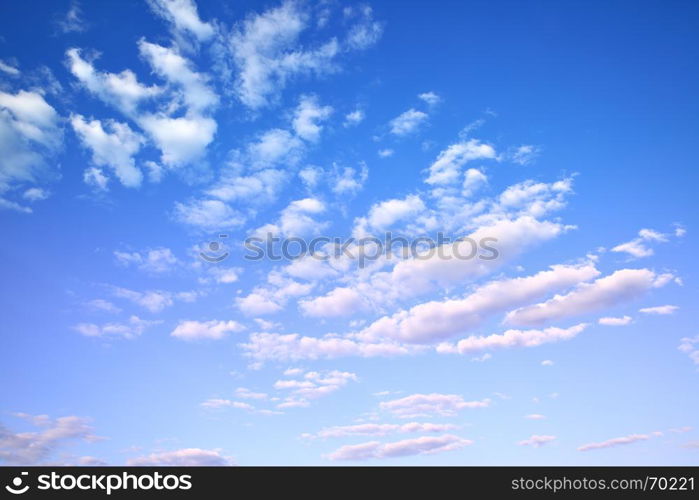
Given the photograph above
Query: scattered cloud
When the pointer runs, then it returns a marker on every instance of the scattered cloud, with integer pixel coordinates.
(425, 445)
(205, 330)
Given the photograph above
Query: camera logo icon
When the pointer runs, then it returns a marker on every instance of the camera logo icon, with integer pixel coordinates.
(16, 487)
(215, 247)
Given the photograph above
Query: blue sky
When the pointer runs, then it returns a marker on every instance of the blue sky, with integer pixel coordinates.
(133, 134)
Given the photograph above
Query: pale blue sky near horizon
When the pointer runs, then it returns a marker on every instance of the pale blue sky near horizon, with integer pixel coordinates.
(133, 133)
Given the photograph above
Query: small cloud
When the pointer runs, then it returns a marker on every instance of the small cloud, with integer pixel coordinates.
(430, 98)
(660, 310)
(536, 441)
(611, 321)
(547, 362)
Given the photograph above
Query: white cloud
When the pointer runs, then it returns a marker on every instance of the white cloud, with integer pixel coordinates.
(659, 310)
(537, 440)
(407, 122)
(312, 385)
(272, 298)
(430, 98)
(474, 179)
(610, 443)
(156, 260)
(350, 180)
(9, 69)
(308, 116)
(181, 140)
(612, 321)
(365, 32)
(431, 321)
(153, 300)
(691, 347)
(114, 147)
(621, 286)
(638, 247)
(183, 15)
(72, 22)
(266, 49)
(379, 430)
(296, 219)
(194, 94)
(245, 393)
(425, 405)
(447, 167)
(525, 154)
(338, 302)
(209, 215)
(535, 416)
(512, 338)
(386, 213)
(205, 330)
(103, 305)
(122, 90)
(129, 330)
(279, 347)
(33, 448)
(385, 153)
(29, 134)
(186, 457)
(425, 445)
(547, 362)
(354, 118)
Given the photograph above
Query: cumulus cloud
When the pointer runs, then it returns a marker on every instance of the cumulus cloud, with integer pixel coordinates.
(186, 457)
(290, 347)
(426, 405)
(29, 135)
(113, 147)
(621, 286)
(659, 310)
(537, 440)
(691, 347)
(134, 327)
(430, 98)
(37, 447)
(374, 429)
(349, 180)
(610, 443)
(354, 118)
(525, 154)
(153, 300)
(445, 265)
(612, 321)
(205, 330)
(339, 302)
(435, 320)
(638, 247)
(194, 92)
(267, 50)
(383, 215)
(512, 338)
(312, 385)
(308, 116)
(122, 90)
(425, 445)
(407, 122)
(447, 167)
(183, 16)
(155, 260)
(209, 215)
